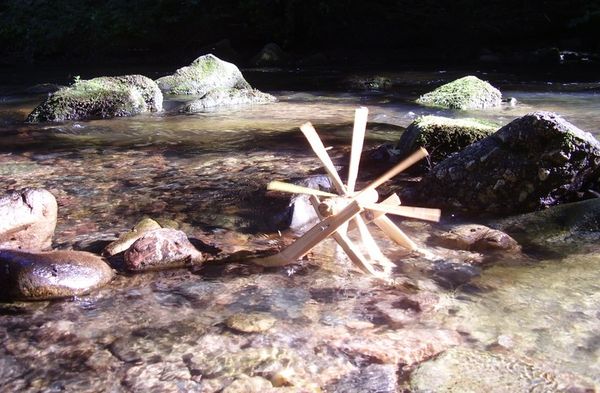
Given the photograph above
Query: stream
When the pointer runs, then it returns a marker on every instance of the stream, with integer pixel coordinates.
(525, 322)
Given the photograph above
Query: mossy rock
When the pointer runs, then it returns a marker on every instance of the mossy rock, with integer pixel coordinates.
(469, 92)
(227, 98)
(100, 98)
(205, 74)
(442, 136)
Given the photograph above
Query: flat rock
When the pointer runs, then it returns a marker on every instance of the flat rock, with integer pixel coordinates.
(469, 92)
(49, 275)
(128, 238)
(251, 322)
(227, 98)
(160, 249)
(475, 237)
(27, 219)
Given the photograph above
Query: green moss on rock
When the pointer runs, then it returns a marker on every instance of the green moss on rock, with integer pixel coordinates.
(206, 73)
(469, 92)
(99, 98)
(442, 136)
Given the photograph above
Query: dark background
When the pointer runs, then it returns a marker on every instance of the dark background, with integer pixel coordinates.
(88, 31)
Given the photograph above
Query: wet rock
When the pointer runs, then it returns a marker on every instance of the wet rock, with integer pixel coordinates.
(442, 136)
(535, 161)
(475, 237)
(100, 98)
(375, 82)
(48, 275)
(303, 213)
(270, 55)
(569, 221)
(205, 74)
(375, 378)
(250, 322)
(128, 238)
(27, 219)
(469, 92)
(159, 249)
(468, 370)
(227, 97)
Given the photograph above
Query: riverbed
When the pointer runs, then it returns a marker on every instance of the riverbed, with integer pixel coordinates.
(524, 322)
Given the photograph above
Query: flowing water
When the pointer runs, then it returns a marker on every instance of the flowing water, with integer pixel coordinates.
(527, 322)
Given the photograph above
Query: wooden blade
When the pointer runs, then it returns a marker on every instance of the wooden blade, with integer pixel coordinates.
(317, 145)
(421, 213)
(395, 233)
(365, 236)
(311, 238)
(412, 159)
(296, 189)
(358, 137)
(349, 248)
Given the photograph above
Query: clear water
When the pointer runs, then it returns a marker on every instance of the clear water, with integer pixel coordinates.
(208, 172)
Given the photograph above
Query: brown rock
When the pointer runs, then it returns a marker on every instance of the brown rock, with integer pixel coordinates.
(159, 249)
(48, 275)
(27, 219)
(474, 237)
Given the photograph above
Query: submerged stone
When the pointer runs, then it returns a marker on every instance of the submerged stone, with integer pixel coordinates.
(160, 249)
(375, 378)
(100, 98)
(442, 136)
(49, 275)
(535, 161)
(27, 219)
(251, 322)
(469, 92)
(205, 74)
(469, 370)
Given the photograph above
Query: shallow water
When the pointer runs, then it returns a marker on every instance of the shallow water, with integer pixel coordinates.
(208, 172)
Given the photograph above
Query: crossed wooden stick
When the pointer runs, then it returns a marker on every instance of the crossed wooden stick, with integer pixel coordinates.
(350, 209)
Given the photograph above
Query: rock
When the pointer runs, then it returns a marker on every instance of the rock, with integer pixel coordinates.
(100, 98)
(535, 161)
(303, 213)
(48, 275)
(374, 82)
(27, 219)
(469, 370)
(469, 92)
(128, 238)
(564, 222)
(474, 237)
(270, 55)
(168, 377)
(375, 378)
(205, 74)
(160, 249)
(442, 136)
(226, 98)
(250, 322)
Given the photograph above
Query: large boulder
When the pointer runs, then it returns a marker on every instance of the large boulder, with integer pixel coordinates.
(469, 92)
(100, 98)
(217, 83)
(227, 97)
(27, 219)
(442, 136)
(161, 249)
(535, 161)
(48, 275)
(205, 74)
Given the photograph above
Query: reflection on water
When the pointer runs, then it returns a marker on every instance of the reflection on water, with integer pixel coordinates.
(208, 172)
